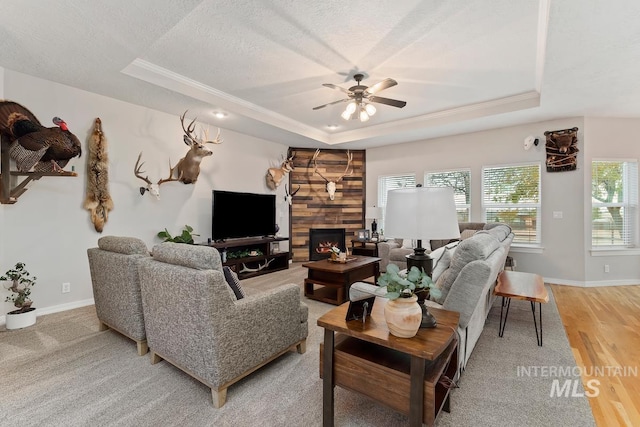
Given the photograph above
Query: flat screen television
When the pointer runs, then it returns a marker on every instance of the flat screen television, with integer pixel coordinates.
(238, 215)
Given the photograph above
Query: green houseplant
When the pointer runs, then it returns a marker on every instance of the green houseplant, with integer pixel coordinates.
(405, 284)
(185, 237)
(20, 283)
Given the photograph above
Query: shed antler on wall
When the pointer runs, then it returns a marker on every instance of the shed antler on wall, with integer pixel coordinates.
(331, 185)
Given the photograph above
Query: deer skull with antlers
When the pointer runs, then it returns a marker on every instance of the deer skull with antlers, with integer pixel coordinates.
(152, 188)
(188, 167)
(274, 175)
(331, 185)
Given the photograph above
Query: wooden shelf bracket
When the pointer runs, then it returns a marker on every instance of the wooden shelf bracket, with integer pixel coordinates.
(9, 189)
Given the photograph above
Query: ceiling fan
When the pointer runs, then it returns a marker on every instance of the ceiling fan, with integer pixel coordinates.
(361, 94)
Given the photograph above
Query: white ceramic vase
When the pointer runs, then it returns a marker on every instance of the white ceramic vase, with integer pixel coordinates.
(20, 320)
(403, 316)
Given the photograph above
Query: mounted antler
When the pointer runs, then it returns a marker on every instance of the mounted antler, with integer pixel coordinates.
(331, 185)
(288, 197)
(151, 187)
(275, 175)
(188, 167)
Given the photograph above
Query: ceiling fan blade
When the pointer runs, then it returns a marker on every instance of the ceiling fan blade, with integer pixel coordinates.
(387, 101)
(332, 86)
(386, 83)
(331, 103)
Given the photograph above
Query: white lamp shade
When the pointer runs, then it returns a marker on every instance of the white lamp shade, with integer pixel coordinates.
(373, 213)
(425, 213)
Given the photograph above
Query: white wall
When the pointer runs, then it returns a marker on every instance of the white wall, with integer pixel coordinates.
(566, 242)
(48, 228)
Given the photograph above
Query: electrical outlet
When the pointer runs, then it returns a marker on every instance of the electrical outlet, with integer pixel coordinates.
(66, 287)
(557, 214)
(606, 268)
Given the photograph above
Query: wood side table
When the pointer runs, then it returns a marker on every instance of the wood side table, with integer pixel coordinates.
(366, 358)
(364, 247)
(523, 286)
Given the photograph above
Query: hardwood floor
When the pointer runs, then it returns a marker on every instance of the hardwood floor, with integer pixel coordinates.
(603, 327)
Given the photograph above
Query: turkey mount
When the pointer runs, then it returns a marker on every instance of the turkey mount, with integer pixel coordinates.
(360, 93)
(30, 144)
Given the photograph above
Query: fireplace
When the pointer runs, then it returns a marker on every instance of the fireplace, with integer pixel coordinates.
(322, 239)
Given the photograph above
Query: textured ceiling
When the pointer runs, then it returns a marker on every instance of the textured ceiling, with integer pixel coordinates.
(460, 65)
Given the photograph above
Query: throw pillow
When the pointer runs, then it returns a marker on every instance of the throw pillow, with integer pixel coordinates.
(233, 282)
(441, 264)
(407, 244)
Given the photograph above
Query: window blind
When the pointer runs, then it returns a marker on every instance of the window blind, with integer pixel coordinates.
(614, 203)
(391, 182)
(511, 194)
(460, 180)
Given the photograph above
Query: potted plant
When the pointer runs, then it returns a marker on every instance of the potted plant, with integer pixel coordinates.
(402, 312)
(20, 282)
(185, 237)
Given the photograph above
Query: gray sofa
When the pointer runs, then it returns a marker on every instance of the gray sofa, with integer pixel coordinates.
(116, 287)
(194, 321)
(392, 252)
(468, 281)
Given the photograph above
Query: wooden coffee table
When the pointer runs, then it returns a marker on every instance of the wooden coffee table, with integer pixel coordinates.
(334, 278)
(522, 286)
(402, 373)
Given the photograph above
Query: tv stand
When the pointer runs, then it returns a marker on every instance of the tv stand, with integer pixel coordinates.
(252, 256)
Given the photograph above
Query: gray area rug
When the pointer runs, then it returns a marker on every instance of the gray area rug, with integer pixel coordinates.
(64, 372)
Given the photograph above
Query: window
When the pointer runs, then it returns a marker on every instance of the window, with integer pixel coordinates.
(511, 194)
(391, 182)
(460, 181)
(614, 202)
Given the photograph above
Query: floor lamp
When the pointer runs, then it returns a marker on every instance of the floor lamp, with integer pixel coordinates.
(421, 213)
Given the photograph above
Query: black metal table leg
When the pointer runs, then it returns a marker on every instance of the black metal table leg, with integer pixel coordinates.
(533, 310)
(504, 323)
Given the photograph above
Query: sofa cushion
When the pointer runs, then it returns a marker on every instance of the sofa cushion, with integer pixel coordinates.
(123, 245)
(442, 259)
(192, 256)
(234, 283)
(478, 247)
(498, 230)
(465, 234)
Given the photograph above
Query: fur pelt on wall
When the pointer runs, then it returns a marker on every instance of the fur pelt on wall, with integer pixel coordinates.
(98, 200)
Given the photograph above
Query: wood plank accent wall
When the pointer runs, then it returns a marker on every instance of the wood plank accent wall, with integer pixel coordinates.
(312, 208)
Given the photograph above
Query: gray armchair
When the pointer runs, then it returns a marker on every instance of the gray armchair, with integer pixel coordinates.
(116, 286)
(195, 322)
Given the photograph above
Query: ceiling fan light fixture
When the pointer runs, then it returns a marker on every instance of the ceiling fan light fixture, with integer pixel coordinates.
(370, 109)
(351, 107)
(363, 115)
(346, 115)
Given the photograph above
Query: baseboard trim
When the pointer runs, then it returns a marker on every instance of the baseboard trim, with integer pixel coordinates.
(57, 308)
(591, 283)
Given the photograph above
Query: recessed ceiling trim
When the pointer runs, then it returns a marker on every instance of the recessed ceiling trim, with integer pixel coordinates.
(159, 76)
(467, 112)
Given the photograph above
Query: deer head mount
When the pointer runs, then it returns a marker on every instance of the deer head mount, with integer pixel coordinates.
(188, 167)
(331, 185)
(274, 175)
(152, 188)
(288, 197)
